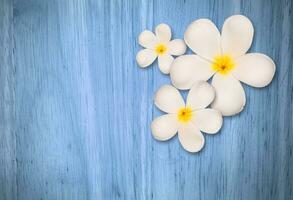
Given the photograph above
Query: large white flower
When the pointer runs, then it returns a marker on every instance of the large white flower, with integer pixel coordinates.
(160, 46)
(186, 119)
(224, 56)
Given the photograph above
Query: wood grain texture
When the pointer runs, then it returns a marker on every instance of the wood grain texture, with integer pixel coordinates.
(75, 109)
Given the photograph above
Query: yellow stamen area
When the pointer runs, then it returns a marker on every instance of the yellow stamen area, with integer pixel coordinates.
(161, 49)
(184, 115)
(223, 64)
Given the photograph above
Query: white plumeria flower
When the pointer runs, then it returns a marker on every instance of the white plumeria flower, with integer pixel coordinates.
(223, 56)
(186, 119)
(160, 46)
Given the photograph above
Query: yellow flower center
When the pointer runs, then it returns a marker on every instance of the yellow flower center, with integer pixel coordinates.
(161, 49)
(223, 64)
(184, 115)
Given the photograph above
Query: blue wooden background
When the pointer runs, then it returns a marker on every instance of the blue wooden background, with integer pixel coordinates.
(75, 109)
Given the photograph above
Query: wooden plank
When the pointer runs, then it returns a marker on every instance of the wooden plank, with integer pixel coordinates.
(8, 162)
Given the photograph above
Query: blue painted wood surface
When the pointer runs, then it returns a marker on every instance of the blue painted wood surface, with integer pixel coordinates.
(75, 109)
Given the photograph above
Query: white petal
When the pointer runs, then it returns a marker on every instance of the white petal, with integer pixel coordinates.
(200, 95)
(237, 35)
(255, 69)
(203, 37)
(208, 120)
(165, 62)
(188, 69)
(165, 127)
(230, 96)
(147, 39)
(168, 99)
(191, 138)
(176, 47)
(163, 32)
(146, 57)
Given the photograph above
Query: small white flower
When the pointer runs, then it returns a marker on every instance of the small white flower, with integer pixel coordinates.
(224, 56)
(160, 46)
(186, 119)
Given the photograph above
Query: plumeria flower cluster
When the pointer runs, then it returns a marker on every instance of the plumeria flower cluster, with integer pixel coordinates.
(220, 56)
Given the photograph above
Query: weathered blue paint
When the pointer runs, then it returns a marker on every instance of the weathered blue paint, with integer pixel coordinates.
(75, 109)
